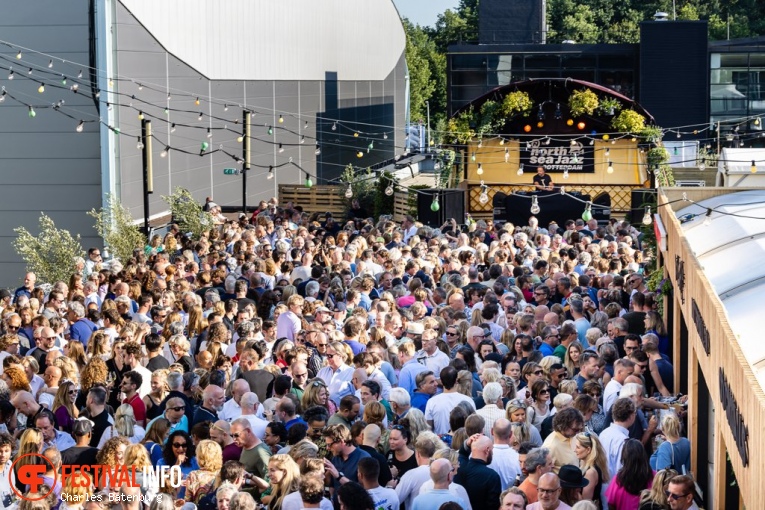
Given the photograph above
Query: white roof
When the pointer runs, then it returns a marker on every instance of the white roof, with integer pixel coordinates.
(277, 40)
(731, 252)
(739, 161)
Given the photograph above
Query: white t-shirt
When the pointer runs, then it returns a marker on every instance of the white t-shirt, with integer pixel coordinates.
(440, 406)
(409, 486)
(454, 488)
(293, 501)
(384, 498)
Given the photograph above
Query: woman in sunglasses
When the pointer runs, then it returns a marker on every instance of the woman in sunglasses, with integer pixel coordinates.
(63, 406)
(179, 451)
(593, 463)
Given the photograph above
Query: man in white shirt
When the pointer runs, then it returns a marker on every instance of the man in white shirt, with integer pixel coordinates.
(232, 408)
(303, 271)
(623, 367)
(409, 486)
(613, 437)
(337, 375)
(368, 475)
(249, 404)
(439, 407)
(430, 355)
(410, 229)
(505, 460)
(288, 324)
(441, 473)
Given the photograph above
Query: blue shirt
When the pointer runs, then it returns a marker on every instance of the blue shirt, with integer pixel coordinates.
(295, 421)
(81, 330)
(546, 350)
(408, 372)
(432, 500)
(356, 347)
(420, 400)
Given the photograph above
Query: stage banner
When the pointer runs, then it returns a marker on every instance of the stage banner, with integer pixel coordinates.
(557, 156)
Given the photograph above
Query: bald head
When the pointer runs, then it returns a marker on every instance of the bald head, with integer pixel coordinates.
(440, 470)
(540, 312)
(249, 403)
(359, 376)
(25, 403)
(481, 448)
(223, 425)
(502, 431)
(239, 388)
(372, 435)
(551, 319)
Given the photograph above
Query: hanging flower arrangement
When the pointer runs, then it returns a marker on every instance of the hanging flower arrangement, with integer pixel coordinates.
(516, 103)
(582, 102)
(628, 121)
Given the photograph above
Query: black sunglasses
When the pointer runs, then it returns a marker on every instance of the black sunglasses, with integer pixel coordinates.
(179, 408)
(179, 445)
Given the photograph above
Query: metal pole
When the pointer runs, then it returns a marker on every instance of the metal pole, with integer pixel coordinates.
(148, 177)
(246, 150)
(427, 138)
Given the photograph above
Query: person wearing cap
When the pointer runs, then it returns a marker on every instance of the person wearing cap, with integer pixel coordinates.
(81, 453)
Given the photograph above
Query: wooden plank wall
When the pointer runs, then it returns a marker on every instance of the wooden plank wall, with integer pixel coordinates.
(319, 198)
(725, 352)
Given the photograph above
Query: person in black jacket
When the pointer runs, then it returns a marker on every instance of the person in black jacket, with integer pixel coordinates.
(482, 483)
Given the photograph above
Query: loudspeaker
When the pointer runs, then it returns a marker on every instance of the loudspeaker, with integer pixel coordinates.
(451, 202)
(640, 199)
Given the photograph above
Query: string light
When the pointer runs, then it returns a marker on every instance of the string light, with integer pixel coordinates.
(172, 127)
(472, 157)
(483, 198)
(18, 55)
(201, 115)
(281, 148)
(562, 190)
(140, 87)
(502, 141)
(2, 96)
(480, 143)
(140, 115)
(318, 150)
(647, 216)
(32, 113)
(79, 75)
(708, 219)
(41, 88)
(10, 74)
(359, 154)
(334, 126)
(209, 133)
(139, 145)
(270, 172)
(349, 192)
(520, 170)
(480, 169)
(610, 168)
(389, 189)
(63, 80)
(507, 155)
(203, 148)
(240, 139)
(608, 151)
(281, 119)
(702, 165)
(308, 181)
(435, 206)
(385, 136)
(754, 168)
(565, 173)
(270, 130)
(535, 205)
(302, 139)
(50, 64)
(79, 127)
(164, 152)
(587, 214)
(356, 134)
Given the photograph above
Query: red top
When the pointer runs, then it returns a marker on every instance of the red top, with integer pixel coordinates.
(139, 408)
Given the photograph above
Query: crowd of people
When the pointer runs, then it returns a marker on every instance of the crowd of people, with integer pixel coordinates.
(290, 361)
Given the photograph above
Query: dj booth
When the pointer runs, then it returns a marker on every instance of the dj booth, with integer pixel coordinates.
(515, 207)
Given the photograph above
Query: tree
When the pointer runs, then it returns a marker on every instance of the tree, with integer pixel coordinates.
(50, 254)
(421, 86)
(188, 213)
(116, 227)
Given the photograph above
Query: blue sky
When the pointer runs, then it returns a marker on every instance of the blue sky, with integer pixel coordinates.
(423, 12)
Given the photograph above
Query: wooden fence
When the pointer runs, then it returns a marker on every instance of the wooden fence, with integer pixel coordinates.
(316, 199)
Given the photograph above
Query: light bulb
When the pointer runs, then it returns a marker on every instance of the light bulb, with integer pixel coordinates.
(435, 206)
(270, 130)
(385, 136)
(172, 127)
(573, 142)
(610, 168)
(50, 64)
(483, 198)
(647, 216)
(472, 157)
(575, 159)
(587, 214)
(281, 119)
(140, 115)
(318, 150)
(10, 75)
(63, 80)
(270, 172)
(305, 126)
(702, 165)
(678, 134)
(535, 205)
(201, 115)
(608, 152)
(18, 55)
(196, 102)
(520, 170)
(167, 111)
(349, 192)
(480, 143)
(209, 133)
(79, 127)
(754, 168)
(281, 148)
(389, 190)
(334, 126)
(204, 147)
(2, 96)
(41, 88)
(356, 134)
(565, 173)
(562, 190)
(302, 139)
(139, 145)
(547, 141)
(507, 155)
(359, 154)
(308, 181)
(480, 169)
(163, 154)
(32, 113)
(502, 141)
(79, 75)
(240, 139)
(708, 219)
(140, 87)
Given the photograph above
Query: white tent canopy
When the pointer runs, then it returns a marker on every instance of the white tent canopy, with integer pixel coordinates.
(734, 168)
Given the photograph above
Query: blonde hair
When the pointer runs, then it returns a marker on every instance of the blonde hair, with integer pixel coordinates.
(290, 482)
(597, 456)
(31, 442)
(670, 426)
(62, 399)
(124, 420)
(137, 455)
(209, 455)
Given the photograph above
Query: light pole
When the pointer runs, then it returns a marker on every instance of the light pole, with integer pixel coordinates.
(246, 146)
(427, 137)
(148, 172)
